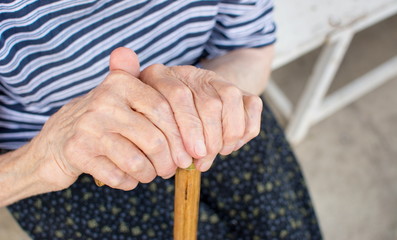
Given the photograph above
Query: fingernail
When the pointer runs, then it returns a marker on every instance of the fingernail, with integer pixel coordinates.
(200, 148)
(205, 166)
(239, 145)
(184, 160)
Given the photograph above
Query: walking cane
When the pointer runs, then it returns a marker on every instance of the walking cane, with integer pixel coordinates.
(186, 204)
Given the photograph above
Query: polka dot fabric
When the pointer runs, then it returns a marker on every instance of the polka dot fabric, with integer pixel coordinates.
(255, 193)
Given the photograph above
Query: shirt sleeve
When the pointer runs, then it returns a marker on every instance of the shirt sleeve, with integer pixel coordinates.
(241, 24)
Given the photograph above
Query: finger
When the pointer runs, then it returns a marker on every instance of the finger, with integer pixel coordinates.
(161, 114)
(108, 173)
(253, 108)
(153, 108)
(83, 151)
(233, 114)
(205, 163)
(119, 118)
(128, 157)
(182, 104)
(124, 59)
(209, 107)
(148, 138)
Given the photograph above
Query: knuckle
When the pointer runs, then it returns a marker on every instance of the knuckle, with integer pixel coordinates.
(231, 91)
(116, 76)
(161, 106)
(151, 70)
(181, 94)
(205, 75)
(157, 145)
(85, 123)
(100, 104)
(137, 164)
(255, 103)
(214, 104)
(155, 67)
(117, 82)
(183, 71)
(77, 151)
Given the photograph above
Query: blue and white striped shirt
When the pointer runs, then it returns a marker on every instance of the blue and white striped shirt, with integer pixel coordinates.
(53, 51)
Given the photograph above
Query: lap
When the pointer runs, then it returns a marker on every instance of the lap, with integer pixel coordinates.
(255, 193)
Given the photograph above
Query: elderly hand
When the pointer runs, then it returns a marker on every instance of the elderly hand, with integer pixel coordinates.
(122, 132)
(213, 115)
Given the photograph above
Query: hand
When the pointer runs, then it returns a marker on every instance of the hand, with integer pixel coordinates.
(213, 115)
(122, 132)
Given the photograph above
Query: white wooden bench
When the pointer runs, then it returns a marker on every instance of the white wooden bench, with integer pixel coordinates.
(308, 24)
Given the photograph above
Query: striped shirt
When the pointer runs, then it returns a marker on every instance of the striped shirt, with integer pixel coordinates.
(53, 51)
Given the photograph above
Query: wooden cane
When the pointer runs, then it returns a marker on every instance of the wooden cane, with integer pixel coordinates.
(186, 205)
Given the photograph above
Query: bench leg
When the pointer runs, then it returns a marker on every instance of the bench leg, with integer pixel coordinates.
(321, 78)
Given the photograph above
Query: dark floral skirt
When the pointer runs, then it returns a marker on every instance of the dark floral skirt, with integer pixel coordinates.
(255, 193)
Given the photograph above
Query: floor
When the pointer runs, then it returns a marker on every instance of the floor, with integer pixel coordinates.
(349, 159)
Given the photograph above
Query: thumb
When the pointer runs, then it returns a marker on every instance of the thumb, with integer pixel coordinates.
(124, 59)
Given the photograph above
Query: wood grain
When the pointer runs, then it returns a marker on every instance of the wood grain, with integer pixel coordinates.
(186, 206)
